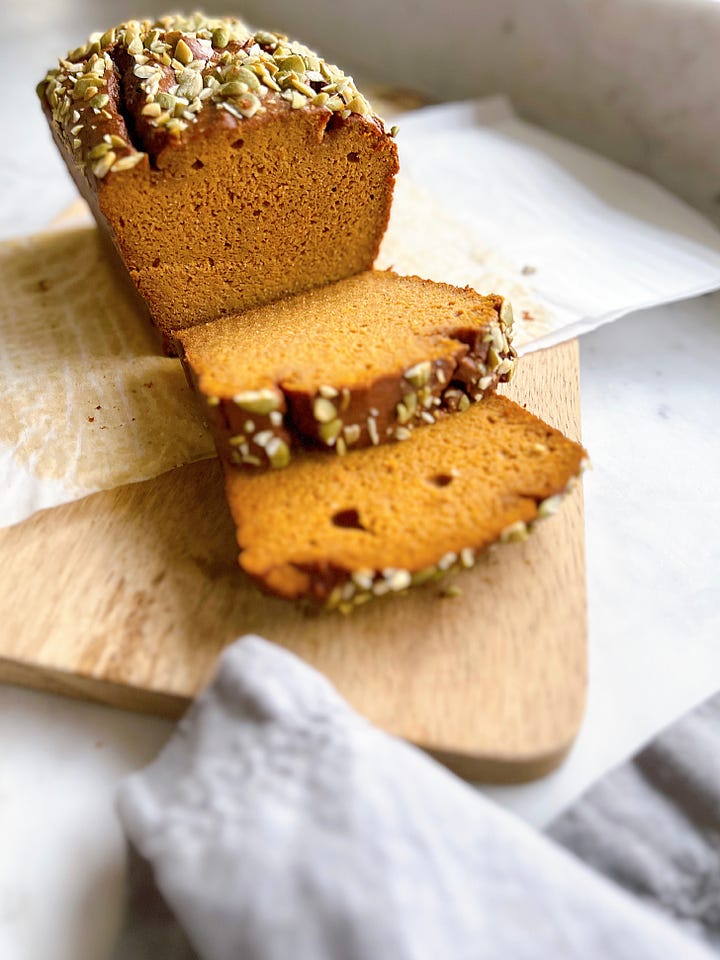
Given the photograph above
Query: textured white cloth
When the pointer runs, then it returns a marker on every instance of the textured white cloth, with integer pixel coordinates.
(653, 824)
(279, 824)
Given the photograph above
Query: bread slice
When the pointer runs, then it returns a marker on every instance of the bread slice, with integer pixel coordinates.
(354, 364)
(339, 531)
(231, 166)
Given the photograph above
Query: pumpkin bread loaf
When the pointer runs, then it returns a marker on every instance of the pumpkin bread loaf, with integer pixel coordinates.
(232, 167)
(349, 365)
(340, 530)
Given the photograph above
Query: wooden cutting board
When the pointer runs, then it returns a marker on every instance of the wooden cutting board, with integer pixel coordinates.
(127, 597)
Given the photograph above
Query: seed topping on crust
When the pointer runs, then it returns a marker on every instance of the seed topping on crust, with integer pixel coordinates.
(360, 585)
(181, 65)
(344, 417)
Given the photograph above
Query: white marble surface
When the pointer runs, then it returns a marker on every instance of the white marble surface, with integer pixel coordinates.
(650, 398)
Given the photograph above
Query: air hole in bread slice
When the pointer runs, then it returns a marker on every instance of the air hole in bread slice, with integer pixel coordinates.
(441, 480)
(347, 519)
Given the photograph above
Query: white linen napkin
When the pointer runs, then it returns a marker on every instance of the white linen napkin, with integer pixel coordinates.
(280, 824)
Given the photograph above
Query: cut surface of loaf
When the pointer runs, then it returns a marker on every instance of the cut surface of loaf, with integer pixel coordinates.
(350, 365)
(338, 531)
(231, 166)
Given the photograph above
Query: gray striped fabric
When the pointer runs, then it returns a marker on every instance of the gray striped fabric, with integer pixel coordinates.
(652, 825)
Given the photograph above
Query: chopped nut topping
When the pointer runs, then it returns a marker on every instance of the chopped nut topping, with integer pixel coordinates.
(546, 508)
(183, 53)
(451, 592)
(419, 375)
(104, 164)
(258, 401)
(216, 60)
(373, 431)
(351, 432)
(329, 432)
(506, 314)
(323, 410)
(127, 163)
(278, 453)
(515, 533)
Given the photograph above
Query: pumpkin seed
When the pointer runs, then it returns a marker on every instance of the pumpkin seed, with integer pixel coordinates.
(258, 401)
(330, 431)
(549, 506)
(127, 163)
(104, 164)
(220, 38)
(183, 53)
(190, 85)
(323, 410)
(292, 64)
(419, 374)
(278, 453)
(99, 151)
(248, 105)
(351, 432)
(515, 533)
(506, 313)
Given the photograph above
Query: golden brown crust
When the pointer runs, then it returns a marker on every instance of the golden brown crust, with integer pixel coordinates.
(339, 531)
(353, 364)
(230, 167)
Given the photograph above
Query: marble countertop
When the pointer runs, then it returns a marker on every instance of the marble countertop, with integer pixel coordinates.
(649, 400)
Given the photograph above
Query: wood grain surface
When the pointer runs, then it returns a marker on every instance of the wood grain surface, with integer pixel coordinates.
(128, 596)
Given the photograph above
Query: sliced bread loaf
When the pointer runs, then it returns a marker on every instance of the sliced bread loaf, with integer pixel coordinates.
(231, 166)
(350, 365)
(339, 531)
